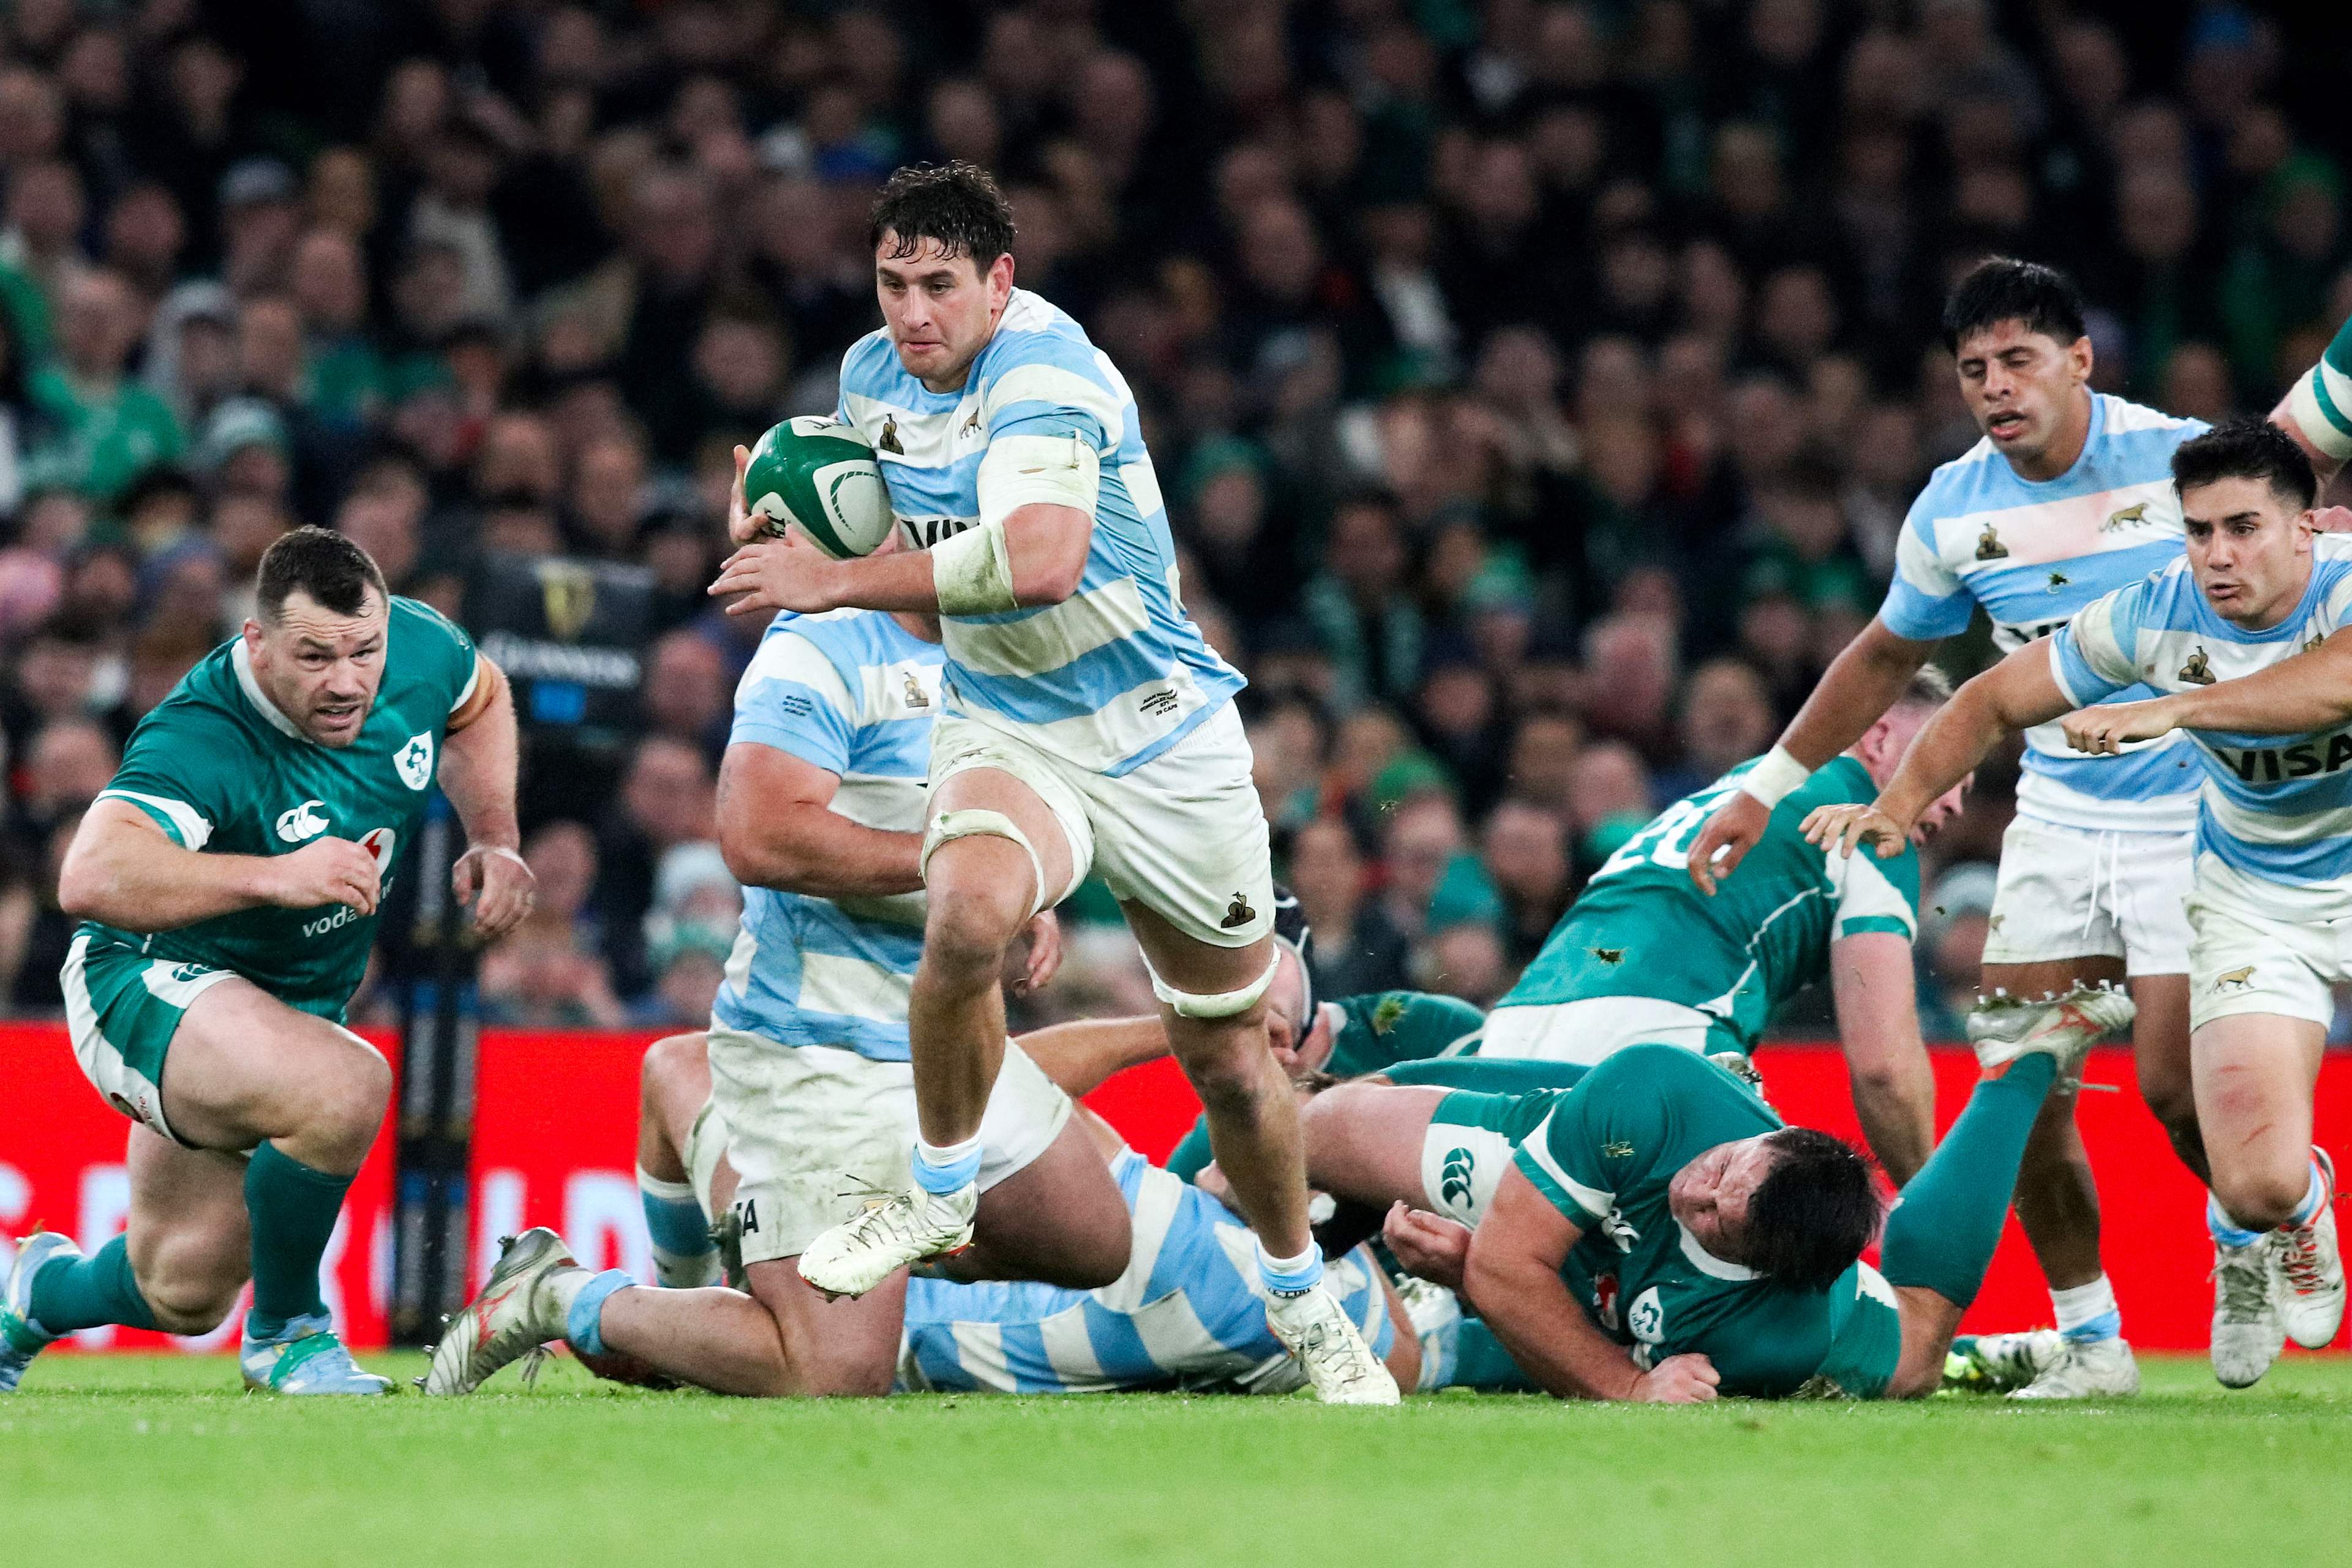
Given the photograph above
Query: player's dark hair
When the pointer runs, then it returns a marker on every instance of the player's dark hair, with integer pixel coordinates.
(323, 564)
(2003, 288)
(956, 204)
(1813, 1212)
(2247, 449)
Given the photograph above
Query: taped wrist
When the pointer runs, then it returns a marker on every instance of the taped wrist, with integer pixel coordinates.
(972, 572)
(1776, 777)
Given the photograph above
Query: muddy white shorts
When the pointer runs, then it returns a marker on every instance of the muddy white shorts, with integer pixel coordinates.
(2070, 893)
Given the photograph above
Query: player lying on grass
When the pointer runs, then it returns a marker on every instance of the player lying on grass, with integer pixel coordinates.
(1642, 957)
(2273, 883)
(1187, 1311)
(1656, 1232)
(2067, 497)
(810, 1096)
(1088, 726)
(228, 880)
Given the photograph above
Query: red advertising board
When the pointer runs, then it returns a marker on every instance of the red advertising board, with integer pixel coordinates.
(555, 1135)
(61, 1167)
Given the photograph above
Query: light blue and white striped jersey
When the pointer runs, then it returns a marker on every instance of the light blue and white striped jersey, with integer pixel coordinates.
(854, 693)
(2276, 810)
(1117, 673)
(1188, 1313)
(2034, 552)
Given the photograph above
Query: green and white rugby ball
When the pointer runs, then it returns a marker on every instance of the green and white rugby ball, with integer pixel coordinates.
(820, 474)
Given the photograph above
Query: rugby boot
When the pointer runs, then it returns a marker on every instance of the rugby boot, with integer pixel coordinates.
(2000, 1362)
(2062, 1026)
(1319, 1336)
(307, 1358)
(21, 1337)
(2247, 1332)
(2085, 1369)
(895, 1231)
(514, 1315)
(2311, 1269)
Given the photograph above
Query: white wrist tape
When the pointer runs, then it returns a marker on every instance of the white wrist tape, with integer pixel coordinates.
(972, 571)
(1021, 470)
(1776, 776)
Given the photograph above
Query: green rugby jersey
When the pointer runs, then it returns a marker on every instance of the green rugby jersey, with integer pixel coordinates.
(1376, 1031)
(1603, 1158)
(1640, 929)
(218, 768)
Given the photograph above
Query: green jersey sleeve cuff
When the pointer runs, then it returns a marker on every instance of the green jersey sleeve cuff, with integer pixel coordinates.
(185, 825)
(1582, 1206)
(1894, 925)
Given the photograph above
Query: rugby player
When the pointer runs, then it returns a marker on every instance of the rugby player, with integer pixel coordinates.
(227, 881)
(2273, 849)
(2066, 497)
(1641, 956)
(1185, 1313)
(808, 1098)
(1087, 725)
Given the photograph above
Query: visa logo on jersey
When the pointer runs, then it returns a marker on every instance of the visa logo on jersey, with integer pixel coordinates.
(2270, 764)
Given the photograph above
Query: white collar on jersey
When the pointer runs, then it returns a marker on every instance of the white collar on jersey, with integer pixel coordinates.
(1707, 1263)
(242, 658)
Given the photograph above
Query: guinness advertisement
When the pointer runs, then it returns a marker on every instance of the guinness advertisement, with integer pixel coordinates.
(571, 636)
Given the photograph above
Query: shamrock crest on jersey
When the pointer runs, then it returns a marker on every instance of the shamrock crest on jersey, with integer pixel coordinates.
(415, 761)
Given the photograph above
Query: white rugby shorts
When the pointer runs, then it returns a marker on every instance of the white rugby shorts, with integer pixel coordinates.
(2070, 893)
(1183, 835)
(813, 1130)
(2257, 954)
(1588, 1030)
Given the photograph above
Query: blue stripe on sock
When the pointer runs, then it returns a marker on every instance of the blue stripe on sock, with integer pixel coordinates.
(2224, 1229)
(583, 1325)
(954, 1174)
(1289, 1281)
(677, 1225)
(2106, 1325)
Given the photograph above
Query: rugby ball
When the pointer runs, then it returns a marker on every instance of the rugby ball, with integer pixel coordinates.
(820, 474)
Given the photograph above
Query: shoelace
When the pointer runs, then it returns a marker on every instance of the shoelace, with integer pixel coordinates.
(2305, 1260)
(2244, 1284)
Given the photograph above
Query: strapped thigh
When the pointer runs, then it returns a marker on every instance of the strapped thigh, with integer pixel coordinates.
(1214, 1004)
(977, 822)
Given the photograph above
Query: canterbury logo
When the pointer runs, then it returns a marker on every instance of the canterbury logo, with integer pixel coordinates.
(2235, 981)
(1453, 1177)
(301, 822)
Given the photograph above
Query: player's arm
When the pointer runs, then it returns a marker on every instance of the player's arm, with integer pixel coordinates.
(2015, 695)
(1512, 1276)
(1033, 555)
(2317, 410)
(1079, 1054)
(480, 754)
(777, 828)
(1861, 684)
(1886, 1061)
(2310, 692)
(124, 869)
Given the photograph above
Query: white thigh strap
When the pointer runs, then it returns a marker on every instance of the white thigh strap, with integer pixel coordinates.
(1221, 1004)
(976, 823)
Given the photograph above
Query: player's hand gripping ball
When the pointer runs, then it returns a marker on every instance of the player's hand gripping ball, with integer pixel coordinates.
(821, 476)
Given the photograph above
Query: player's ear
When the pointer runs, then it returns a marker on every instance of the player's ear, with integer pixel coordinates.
(1000, 276)
(2081, 355)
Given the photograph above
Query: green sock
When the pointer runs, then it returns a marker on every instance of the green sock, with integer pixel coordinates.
(90, 1292)
(293, 1211)
(1944, 1228)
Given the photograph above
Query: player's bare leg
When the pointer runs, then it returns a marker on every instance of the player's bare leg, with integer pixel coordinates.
(306, 1097)
(2272, 1199)
(673, 1085)
(2160, 1058)
(1363, 1141)
(1253, 1119)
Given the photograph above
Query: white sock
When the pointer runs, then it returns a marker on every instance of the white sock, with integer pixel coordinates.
(2314, 1198)
(1290, 1276)
(2087, 1314)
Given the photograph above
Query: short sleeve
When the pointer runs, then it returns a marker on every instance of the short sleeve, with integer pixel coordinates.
(1926, 599)
(1060, 388)
(2093, 655)
(173, 772)
(1875, 895)
(1602, 1136)
(793, 699)
(1865, 1335)
(438, 647)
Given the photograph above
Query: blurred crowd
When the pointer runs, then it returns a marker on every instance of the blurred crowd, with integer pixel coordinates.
(1538, 387)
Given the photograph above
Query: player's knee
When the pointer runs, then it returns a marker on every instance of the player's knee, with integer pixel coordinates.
(1231, 1078)
(666, 1062)
(968, 928)
(2264, 1197)
(824, 1376)
(346, 1106)
(189, 1292)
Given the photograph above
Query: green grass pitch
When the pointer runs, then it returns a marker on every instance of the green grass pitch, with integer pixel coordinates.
(131, 1462)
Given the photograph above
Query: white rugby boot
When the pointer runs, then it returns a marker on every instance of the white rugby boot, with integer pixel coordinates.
(2247, 1332)
(513, 1316)
(2062, 1026)
(2311, 1269)
(2000, 1362)
(1319, 1336)
(2085, 1369)
(22, 1337)
(902, 1228)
